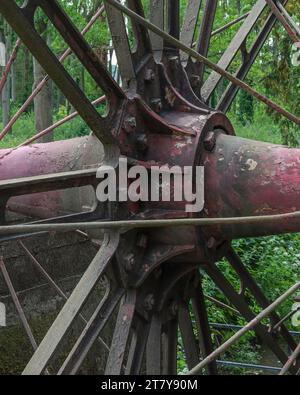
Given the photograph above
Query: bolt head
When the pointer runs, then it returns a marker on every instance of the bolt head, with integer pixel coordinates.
(129, 262)
(156, 105)
(149, 302)
(130, 124)
(174, 62)
(174, 307)
(194, 81)
(211, 243)
(142, 142)
(210, 141)
(149, 75)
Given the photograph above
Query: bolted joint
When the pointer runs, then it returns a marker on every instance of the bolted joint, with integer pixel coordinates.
(210, 141)
(149, 302)
(211, 243)
(174, 308)
(149, 75)
(174, 63)
(142, 142)
(156, 105)
(130, 124)
(194, 81)
(129, 262)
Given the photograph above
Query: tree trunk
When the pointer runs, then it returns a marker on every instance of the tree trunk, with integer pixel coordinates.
(5, 37)
(43, 101)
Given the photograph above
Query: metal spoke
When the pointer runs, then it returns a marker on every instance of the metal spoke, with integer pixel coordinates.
(44, 81)
(204, 333)
(153, 350)
(232, 89)
(189, 25)
(157, 18)
(143, 44)
(233, 48)
(150, 223)
(254, 323)
(18, 305)
(293, 35)
(73, 306)
(137, 348)
(53, 284)
(188, 337)
(121, 334)
(251, 284)
(121, 46)
(90, 333)
(23, 27)
(169, 347)
(239, 302)
(173, 18)
(205, 34)
(209, 63)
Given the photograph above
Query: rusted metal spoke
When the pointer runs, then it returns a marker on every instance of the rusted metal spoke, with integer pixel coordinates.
(209, 63)
(81, 48)
(121, 334)
(189, 26)
(52, 283)
(190, 346)
(233, 48)
(288, 17)
(290, 31)
(232, 89)
(169, 347)
(25, 30)
(254, 323)
(73, 306)
(9, 64)
(143, 44)
(18, 305)
(205, 33)
(121, 46)
(157, 12)
(137, 348)
(230, 24)
(90, 334)
(203, 328)
(44, 81)
(47, 182)
(292, 359)
(221, 304)
(250, 283)
(153, 349)
(135, 224)
(57, 124)
(173, 18)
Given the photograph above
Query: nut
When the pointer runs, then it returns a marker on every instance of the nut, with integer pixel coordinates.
(156, 105)
(130, 124)
(210, 141)
(129, 262)
(142, 142)
(149, 302)
(149, 75)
